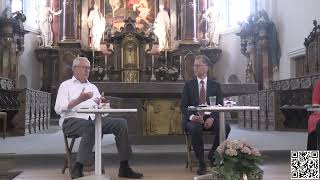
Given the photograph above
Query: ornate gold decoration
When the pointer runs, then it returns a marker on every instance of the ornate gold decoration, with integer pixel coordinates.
(162, 117)
(130, 59)
(130, 76)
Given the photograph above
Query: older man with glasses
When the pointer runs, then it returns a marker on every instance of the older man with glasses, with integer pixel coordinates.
(197, 92)
(77, 93)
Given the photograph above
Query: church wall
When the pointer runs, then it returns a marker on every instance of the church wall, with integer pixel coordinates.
(231, 60)
(28, 65)
(293, 23)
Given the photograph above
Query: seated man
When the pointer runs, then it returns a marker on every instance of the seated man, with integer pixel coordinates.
(196, 92)
(76, 93)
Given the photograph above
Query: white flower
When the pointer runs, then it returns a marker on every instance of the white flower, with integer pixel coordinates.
(231, 152)
(255, 152)
(220, 149)
(246, 150)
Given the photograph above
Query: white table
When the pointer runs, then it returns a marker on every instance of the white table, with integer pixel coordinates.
(221, 110)
(98, 113)
(314, 109)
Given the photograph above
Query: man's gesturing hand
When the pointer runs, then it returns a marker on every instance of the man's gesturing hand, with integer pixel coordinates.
(85, 95)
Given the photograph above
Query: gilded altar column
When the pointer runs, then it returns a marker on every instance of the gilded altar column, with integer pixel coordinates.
(189, 21)
(69, 20)
(202, 25)
(55, 22)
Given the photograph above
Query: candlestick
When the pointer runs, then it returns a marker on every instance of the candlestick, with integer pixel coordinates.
(106, 78)
(180, 75)
(153, 78)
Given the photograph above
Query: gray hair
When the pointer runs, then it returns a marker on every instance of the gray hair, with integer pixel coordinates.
(77, 60)
(204, 59)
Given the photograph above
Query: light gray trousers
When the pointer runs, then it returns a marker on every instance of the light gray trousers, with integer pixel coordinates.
(85, 129)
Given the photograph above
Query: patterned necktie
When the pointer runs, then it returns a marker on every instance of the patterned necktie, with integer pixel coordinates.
(202, 94)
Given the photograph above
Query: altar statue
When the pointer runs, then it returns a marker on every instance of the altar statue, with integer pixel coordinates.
(162, 28)
(115, 5)
(96, 23)
(212, 16)
(144, 11)
(45, 20)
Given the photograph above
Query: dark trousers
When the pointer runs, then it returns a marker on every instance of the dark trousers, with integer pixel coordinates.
(196, 133)
(85, 129)
(312, 141)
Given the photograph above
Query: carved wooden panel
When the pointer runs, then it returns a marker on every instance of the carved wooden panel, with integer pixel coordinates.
(295, 83)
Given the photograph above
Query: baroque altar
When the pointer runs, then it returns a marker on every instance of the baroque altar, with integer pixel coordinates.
(128, 66)
(129, 58)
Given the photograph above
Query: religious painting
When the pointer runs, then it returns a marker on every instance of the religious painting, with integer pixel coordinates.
(143, 11)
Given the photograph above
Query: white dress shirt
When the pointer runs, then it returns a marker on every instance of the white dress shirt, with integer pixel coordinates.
(70, 90)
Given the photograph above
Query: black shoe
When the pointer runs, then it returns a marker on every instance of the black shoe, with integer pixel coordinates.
(211, 158)
(127, 172)
(212, 162)
(76, 171)
(202, 168)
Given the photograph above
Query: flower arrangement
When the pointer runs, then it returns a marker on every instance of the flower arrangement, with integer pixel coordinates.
(165, 73)
(238, 160)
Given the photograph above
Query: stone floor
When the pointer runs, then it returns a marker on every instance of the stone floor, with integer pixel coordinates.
(51, 142)
(40, 156)
(169, 166)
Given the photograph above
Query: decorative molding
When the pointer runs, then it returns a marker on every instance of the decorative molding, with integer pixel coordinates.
(296, 53)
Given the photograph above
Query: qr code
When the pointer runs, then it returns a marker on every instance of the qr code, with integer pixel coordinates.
(304, 164)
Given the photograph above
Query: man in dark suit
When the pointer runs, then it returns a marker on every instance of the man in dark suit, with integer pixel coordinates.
(196, 92)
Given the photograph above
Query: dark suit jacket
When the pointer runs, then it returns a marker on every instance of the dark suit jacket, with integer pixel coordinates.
(190, 97)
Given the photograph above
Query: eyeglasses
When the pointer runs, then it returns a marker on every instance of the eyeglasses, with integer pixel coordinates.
(198, 65)
(84, 67)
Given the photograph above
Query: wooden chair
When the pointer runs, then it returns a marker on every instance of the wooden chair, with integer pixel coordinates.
(318, 135)
(3, 118)
(69, 160)
(191, 162)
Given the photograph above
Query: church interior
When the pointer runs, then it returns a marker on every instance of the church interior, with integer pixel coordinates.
(141, 54)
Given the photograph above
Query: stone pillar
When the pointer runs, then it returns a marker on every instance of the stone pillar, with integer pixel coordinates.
(179, 18)
(202, 25)
(173, 19)
(266, 67)
(69, 20)
(189, 21)
(49, 58)
(55, 22)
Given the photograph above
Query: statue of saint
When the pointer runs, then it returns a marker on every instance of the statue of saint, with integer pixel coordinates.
(96, 23)
(212, 16)
(45, 20)
(162, 28)
(144, 11)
